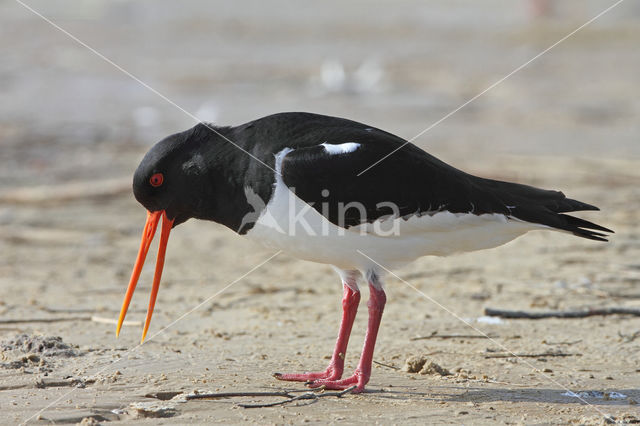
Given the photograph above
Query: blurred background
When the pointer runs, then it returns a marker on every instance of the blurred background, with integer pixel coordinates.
(67, 114)
(73, 127)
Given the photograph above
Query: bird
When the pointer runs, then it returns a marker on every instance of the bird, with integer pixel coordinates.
(338, 192)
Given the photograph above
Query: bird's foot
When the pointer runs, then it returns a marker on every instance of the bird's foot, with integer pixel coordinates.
(359, 379)
(328, 374)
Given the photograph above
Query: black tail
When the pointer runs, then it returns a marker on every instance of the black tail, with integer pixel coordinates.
(555, 219)
(545, 207)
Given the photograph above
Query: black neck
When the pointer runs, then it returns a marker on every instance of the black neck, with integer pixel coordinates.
(230, 171)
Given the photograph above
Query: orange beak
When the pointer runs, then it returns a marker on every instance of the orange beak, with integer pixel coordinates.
(147, 236)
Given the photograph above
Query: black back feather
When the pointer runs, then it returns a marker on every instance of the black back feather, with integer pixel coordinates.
(415, 181)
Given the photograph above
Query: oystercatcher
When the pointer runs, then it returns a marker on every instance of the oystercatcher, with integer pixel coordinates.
(293, 181)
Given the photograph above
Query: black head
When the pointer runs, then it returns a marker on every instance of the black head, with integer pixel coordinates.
(175, 175)
(174, 182)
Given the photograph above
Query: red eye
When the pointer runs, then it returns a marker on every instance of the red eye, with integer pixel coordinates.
(156, 180)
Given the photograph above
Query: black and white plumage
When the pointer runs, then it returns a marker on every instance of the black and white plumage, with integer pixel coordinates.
(290, 181)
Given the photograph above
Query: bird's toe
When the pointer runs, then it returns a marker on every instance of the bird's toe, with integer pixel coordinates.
(305, 377)
(340, 384)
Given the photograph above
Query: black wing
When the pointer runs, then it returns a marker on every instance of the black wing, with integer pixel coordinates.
(416, 183)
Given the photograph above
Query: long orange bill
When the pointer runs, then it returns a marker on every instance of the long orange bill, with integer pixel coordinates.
(147, 237)
(162, 249)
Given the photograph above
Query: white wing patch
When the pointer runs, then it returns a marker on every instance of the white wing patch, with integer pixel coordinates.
(343, 148)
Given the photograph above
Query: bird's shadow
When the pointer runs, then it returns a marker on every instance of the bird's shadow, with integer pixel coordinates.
(479, 395)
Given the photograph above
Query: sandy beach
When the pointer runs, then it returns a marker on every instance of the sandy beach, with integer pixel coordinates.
(229, 313)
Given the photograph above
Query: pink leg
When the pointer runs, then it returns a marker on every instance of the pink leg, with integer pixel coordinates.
(350, 301)
(361, 376)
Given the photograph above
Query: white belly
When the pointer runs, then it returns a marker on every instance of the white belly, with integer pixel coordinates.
(289, 224)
